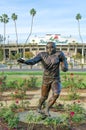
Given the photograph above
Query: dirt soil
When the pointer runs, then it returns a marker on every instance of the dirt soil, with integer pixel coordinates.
(25, 126)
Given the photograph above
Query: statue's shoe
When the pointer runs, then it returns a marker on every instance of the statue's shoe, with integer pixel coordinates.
(40, 111)
(43, 113)
(47, 114)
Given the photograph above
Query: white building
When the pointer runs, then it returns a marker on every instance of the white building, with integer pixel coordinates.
(57, 38)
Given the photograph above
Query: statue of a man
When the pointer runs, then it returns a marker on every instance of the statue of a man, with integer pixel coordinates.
(51, 61)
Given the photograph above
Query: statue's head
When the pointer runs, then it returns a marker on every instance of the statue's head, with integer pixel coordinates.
(51, 48)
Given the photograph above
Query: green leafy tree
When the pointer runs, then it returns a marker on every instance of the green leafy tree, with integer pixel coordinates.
(29, 55)
(4, 19)
(14, 18)
(32, 13)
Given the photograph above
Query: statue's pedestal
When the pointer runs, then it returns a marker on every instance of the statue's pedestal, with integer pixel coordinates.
(40, 125)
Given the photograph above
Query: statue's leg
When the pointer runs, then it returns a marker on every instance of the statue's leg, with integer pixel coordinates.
(56, 88)
(44, 95)
(50, 103)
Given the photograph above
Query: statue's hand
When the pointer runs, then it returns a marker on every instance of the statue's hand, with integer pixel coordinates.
(20, 60)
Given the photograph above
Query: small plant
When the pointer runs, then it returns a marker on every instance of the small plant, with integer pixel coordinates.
(82, 65)
(3, 79)
(13, 84)
(71, 65)
(73, 80)
(73, 88)
(1, 104)
(71, 83)
(76, 112)
(76, 107)
(52, 122)
(32, 118)
(14, 106)
(77, 118)
(59, 106)
(19, 94)
(9, 117)
(31, 83)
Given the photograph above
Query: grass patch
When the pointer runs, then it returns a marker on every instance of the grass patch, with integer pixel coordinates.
(40, 72)
(20, 75)
(22, 72)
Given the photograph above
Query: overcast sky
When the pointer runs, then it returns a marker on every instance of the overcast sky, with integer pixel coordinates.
(52, 16)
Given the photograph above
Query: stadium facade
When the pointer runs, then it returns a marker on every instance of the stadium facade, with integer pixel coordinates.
(68, 45)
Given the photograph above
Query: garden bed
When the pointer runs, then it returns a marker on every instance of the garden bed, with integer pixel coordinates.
(27, 101)
(41, 126)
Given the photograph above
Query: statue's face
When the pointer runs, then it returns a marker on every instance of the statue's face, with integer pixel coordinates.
(51, 48)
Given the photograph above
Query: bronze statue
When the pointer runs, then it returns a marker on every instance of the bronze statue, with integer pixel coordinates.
(51, 60)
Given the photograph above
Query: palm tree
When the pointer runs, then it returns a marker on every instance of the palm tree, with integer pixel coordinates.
(32, 12)
(14, 18)
(4, 19)
(78, 17)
